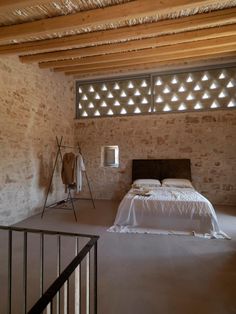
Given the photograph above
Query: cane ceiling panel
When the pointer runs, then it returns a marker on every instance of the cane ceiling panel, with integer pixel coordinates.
(104, 38)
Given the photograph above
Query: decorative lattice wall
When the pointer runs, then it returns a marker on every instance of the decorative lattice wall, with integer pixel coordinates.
(191, 91)
(120, 97)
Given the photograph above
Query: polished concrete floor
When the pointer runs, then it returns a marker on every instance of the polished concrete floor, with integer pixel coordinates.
(152, 274)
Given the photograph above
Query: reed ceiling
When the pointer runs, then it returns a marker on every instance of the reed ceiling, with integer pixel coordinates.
(102, 37)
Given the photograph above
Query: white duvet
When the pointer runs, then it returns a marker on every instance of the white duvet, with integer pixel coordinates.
(168, 211)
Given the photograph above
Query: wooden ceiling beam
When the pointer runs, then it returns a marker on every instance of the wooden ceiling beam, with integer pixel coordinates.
(158, 59)
(9, 5)
(111, 14)
(224, 59)
(155, 52)
(117, 57)
(192, 36)
(198, 21)
(124, 63)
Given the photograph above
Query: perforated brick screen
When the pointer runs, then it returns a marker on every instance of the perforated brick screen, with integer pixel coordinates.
(189, 91)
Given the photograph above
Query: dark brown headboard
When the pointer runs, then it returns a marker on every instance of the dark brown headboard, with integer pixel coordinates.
(161, 169)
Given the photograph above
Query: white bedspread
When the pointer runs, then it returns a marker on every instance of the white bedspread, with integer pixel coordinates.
(168, 211)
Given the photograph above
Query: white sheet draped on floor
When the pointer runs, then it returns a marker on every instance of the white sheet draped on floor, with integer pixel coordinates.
(168, 211)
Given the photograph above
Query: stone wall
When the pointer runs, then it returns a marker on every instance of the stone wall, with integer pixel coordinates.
(35, 106)
(207, 138)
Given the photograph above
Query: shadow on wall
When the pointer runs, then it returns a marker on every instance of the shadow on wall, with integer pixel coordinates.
(125, 175)
(45, 171)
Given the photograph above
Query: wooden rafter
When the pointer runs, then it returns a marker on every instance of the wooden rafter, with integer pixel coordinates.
(199, 21)
(8, 5)
(144, 60)
(227, 58)
(220, 43)
(112, 14)
(192, 36)
(89, 61)
(164, 58)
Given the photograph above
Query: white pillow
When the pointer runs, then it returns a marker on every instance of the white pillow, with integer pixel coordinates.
(150, 183)
(177, 183)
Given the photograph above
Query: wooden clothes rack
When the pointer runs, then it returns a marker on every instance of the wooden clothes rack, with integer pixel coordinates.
(69, 198)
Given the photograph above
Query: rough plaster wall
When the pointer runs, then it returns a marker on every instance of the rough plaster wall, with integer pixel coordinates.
(35, 106)
(207, 138)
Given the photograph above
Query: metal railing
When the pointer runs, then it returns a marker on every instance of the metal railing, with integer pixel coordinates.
(71, 291)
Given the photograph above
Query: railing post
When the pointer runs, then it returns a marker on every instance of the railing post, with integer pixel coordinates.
(9, 271)
(41, 263)
(77, 281)
(66, 297)
(25, 267)
(95, 277)
(88, 283)
(49, 308)
(58, 272)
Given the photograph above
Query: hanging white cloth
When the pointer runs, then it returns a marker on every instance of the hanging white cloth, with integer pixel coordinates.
(79, 171)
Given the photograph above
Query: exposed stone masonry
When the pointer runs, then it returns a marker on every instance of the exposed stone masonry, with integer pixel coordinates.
(35, 106)
(207, 138)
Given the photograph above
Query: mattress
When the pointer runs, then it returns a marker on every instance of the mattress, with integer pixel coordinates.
(167, 210)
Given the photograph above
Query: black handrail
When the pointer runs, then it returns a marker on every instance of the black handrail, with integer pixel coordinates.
(82, 235)
(47, 297)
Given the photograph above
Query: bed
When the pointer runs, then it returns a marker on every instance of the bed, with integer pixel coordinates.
(166, 209)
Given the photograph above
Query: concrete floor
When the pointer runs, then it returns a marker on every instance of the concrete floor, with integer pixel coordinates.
(152, 274)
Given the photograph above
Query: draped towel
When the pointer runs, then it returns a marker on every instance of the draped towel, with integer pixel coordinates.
(79, 171)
